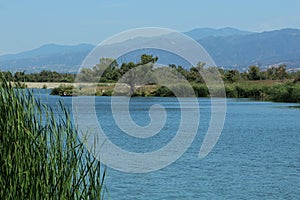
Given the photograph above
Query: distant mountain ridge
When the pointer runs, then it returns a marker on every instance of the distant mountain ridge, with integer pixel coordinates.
(200, 33)
(61, 58)
(263, 49)
(229, 47)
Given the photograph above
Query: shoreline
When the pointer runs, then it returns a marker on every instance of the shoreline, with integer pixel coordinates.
(51, 85)
(276, 91)
(40, 85)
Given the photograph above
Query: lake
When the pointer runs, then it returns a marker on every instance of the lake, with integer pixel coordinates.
(256, 157)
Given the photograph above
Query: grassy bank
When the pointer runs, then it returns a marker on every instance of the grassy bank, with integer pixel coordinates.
(265, 91)
(40, 154)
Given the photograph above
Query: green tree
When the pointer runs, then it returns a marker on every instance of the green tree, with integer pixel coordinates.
(136, 74)
(145, 59)
(281, 72)
(275, 73)
(232, 76)
(297, 77)
(85, 75)
(7, 75)
(194, 76)
(254, 73)
(271, 73)
(19, 76)
(104, 70)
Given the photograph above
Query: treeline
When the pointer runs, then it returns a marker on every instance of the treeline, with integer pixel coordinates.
(275, 83)
(254, 73)
(283, 85)
(278, 92)
(43, 76)
(108, 70)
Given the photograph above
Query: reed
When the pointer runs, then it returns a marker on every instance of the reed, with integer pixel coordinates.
(41, 156)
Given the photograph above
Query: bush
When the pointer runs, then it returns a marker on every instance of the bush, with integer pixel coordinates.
(183, 90)
(164, 91)
(200, 90)
(107, 93)
(240, 90)
(63, 90)
(288, 92)
(230, 91)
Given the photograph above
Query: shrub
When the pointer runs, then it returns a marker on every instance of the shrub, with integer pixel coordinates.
(295, 95)
(230, 91)
(63, 90)
(164, 91)
(200, 90)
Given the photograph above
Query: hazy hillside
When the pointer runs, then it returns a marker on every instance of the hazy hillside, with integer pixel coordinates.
(61, 58)
(201, 33)
(267, 48)
(230, 48)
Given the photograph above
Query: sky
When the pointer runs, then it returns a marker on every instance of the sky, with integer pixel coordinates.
(29, 24)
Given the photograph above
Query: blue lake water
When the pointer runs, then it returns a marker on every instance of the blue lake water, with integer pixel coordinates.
(257, 155)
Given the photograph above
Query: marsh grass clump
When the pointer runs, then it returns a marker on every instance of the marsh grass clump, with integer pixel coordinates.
(41, 156)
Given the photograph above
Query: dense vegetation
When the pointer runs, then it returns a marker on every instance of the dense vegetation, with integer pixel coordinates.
(63, 90)
(275, 84)
(41, 156)
(114, 72)
(43, 76)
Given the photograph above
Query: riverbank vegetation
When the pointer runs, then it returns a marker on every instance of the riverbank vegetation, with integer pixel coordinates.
(43, 76)
(41, 156)
(275, 83)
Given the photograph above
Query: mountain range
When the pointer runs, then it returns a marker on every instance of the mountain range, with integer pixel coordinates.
(263, 49)
(229, 48)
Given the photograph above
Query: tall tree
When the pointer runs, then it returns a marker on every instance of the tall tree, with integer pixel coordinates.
(254, 73)
(136, 74)
(232, 76)
(281, 72)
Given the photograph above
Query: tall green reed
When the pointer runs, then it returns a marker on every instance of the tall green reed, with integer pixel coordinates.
(41, 156)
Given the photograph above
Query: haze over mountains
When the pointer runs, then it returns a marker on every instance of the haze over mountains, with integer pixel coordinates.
(200, 33)
(229, 48)
(263, 49)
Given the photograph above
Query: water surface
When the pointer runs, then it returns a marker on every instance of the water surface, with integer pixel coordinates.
(256, 157)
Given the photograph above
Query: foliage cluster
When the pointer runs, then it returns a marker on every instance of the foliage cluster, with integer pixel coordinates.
(63, 90)
(43, 76)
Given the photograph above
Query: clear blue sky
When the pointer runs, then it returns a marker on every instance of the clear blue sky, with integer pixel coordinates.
(32, 23)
